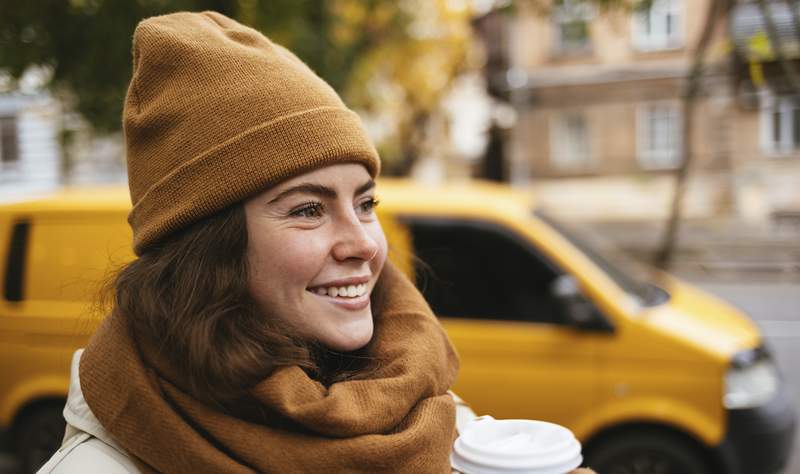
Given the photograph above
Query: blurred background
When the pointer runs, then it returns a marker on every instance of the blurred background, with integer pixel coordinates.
(671, 127)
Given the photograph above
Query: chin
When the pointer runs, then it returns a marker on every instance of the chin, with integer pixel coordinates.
(352, 337)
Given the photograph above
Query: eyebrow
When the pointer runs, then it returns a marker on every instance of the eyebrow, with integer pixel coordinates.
(319, 190)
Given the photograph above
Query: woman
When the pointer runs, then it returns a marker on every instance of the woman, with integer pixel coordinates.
(260, 328)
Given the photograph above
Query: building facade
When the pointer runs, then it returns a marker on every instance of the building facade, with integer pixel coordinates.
(598, 95)
(43, 147)
(29, 149)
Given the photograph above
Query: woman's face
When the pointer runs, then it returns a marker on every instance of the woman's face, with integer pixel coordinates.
(315, 250)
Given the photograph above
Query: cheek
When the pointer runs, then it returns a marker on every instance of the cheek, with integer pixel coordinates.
(285, 257)
(375, 231)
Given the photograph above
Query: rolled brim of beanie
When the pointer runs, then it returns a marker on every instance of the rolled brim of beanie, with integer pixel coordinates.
(248, 163)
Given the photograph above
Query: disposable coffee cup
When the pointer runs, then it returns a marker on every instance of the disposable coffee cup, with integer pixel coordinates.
(489, 446)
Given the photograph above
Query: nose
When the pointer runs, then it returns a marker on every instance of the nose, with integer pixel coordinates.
(353, 241)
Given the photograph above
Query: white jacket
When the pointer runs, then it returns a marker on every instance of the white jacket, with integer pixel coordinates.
(89, 449)
(87, 446)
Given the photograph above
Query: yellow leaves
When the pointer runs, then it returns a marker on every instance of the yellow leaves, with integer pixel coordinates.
(356, 18)
(757, 74)
(760, 47)
(392, 60)
(350, 18)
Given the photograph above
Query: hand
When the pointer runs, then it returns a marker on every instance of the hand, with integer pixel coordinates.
(583, 470)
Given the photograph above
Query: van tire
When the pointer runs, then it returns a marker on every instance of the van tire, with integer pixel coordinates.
(646, 452)
(39, 435)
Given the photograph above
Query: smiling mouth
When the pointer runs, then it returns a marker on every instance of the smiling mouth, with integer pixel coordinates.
(344, 292)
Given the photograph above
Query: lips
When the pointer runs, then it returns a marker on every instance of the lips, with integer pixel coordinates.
(350, 294)
(353, 287)
(350, 291)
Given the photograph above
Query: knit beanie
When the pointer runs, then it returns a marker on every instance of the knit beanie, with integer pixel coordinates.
(216, 112)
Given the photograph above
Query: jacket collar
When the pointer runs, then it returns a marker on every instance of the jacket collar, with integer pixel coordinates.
(77, 411)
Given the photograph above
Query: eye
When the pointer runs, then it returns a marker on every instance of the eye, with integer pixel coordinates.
(368, 206)
(308, 210)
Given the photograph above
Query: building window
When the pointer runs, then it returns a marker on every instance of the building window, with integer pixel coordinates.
(9, 145)
(780, 125)
(571, 19)
(571, 146)
(659, 136)
(658, 26)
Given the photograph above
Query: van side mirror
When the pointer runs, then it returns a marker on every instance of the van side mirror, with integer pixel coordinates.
(577, 310)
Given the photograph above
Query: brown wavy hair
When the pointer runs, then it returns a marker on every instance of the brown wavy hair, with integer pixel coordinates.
(188, 296)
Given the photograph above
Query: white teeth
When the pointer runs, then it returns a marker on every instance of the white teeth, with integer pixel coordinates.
(351, 291)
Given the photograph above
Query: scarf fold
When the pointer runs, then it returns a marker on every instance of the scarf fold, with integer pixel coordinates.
(399, 419)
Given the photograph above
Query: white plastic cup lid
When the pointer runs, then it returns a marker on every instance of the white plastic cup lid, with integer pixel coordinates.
(489, 446)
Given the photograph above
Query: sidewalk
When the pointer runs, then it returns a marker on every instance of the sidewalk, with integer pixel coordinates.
(722, 248)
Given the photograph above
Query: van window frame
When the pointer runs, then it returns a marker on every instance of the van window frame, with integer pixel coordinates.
(16, 260)
(535, 252)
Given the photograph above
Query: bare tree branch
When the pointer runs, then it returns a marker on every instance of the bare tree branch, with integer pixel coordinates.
(716, 9)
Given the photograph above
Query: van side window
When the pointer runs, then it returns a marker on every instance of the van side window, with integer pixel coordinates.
(481, 271)
(15, 262)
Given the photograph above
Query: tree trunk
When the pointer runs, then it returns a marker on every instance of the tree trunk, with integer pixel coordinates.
(411, 143)
(716, 10)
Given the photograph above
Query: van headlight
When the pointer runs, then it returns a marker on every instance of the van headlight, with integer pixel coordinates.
(751, 380)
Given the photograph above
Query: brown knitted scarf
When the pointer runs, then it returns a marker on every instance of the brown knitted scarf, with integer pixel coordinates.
(400, 419)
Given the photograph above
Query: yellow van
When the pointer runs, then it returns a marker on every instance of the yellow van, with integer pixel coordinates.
(651, 374)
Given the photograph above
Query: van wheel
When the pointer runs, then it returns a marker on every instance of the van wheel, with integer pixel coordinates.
(39, 435)
(646, 452)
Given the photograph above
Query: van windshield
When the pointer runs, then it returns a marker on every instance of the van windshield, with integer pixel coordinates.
(632, 277)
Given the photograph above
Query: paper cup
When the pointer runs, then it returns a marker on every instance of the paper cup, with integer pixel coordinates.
(489, 446)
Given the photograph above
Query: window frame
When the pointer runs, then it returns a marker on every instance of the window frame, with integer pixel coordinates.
(9, 127)
(788, 140)
(648, 156)
(562, 143)
(657, 13)
(17, 260)
(572, 11)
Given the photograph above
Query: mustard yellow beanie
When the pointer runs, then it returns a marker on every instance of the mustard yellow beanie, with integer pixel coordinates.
(216, 112)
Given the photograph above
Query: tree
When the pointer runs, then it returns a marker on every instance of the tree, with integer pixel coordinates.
(717, 9)
(374, 52)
